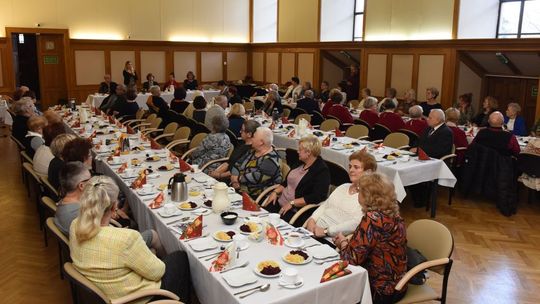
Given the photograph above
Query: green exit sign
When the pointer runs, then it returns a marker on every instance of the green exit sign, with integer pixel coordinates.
(50, 59)
(534, 91)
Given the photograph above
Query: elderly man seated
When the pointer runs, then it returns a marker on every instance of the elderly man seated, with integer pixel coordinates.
(308, 103)
(107, 86)
(218, 109)
(417, 123)
(496, 138)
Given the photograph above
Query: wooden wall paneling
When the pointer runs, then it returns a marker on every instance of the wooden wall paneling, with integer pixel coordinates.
(388, 78)
(257, 66)
(169, 63)
(153, 62)
(537, 114)
(306, 64)
(376, 73)
(279, 67)
(414, 81)
(317, 70)
(288, 67)
(225, 64)
(296, 65)
(272, 70)
(198, 73)
(211, 66)
(450, 70)
(107, 61)
(52, 68)
(237, 65)
(2, 67)
(430, 73)
(401, 73)
(138, 68)
(117, 62)
(184, 62)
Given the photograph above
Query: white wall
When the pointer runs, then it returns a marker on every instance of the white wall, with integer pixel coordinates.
(265, 20)
(478, 19)
(469, 82)
(175, 20)
(331, 73)
(337, 20)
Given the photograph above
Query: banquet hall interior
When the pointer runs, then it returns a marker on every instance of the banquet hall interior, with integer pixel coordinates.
(270, 151)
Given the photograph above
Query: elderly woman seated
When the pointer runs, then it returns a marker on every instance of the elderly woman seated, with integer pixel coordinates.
(460, 138)
(236, 118)
(379, 243)
(155, 103)
(34, 138)
(199, 112)
(23, 110)
(223, 172)
(117, 260)
(43, 155)
(306, 184)
(214, 146)
(260, 169)
(513, 121)
(417, 123)
(56, 164)
(340, 213)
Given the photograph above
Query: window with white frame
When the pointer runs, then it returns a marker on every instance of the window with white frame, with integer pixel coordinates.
(519, 19)
(358, 22)
(265, 20)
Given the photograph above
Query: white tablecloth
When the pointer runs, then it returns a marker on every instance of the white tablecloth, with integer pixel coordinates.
(5, 117)
(401, 173)
(95, 100)
(210, 287)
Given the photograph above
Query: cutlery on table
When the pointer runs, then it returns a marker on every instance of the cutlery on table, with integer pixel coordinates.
(235, 267)
(198, 237)
(290, 285)
(261, 288)
(326, 261)
(313, 245)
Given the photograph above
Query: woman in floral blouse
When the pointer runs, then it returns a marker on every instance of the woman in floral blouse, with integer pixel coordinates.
(214, 146)
(379, 243)
(259, 169)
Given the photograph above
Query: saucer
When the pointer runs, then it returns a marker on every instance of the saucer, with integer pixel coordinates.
(162, 213)
(283, 284)
(300, 244)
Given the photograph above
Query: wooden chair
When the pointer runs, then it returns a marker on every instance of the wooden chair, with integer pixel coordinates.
(34, 190)
(49, 188)
(200, 128)
(63, 244)
(413, 137)
(295, 112)
(146, 121)
(304, 116)
(232, 137)
(378, 133)
(167, 132)
(152, 121)
(329, 125)
(181, 136)
(357, 132)
(81, 286)
(249, 105)
(316, 118)
(138, 117)
(362, 122)
(435, 242)
(262, 199)
(193, 144)
(396, 140)
(21, 148)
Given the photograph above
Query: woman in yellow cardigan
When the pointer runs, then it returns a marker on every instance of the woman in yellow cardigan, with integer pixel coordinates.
(117, 260)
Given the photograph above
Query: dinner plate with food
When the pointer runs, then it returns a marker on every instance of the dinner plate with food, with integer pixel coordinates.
(167, 167)
(153, 158)
(224, 235)
(268, 269)
(250, 227)
(297, 257)
(188, 206)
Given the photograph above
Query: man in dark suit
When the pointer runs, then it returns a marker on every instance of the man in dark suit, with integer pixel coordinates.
(437, 139)
(308, 103)
(437, 142)
(107, 86)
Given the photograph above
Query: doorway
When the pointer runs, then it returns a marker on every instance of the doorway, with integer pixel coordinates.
(336, 67)
(25, 61)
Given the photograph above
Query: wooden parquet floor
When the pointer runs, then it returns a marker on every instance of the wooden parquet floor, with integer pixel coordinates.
(496, 259)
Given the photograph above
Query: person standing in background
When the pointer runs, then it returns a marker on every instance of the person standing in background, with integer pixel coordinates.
(130, 75)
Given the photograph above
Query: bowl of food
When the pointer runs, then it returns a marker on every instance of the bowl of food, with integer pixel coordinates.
(229, 218)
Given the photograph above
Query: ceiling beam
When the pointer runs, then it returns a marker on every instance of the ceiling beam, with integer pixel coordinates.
(350, 57)
(477, 68)
(512, 66)
(334, 59)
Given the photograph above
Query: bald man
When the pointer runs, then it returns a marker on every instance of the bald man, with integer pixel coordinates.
(496, 138)
(437, 139)
(107, 85)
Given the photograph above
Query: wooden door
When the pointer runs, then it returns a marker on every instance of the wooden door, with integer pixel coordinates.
(518, 90)
(52, 73)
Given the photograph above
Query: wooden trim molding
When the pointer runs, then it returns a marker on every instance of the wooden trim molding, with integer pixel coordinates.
(455, 19)
(319, 20)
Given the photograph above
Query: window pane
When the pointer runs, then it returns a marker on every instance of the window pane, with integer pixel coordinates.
(358, 25)
(509, 18)
(531, 17)
(507, 36)
(359, 6)
(530, 35)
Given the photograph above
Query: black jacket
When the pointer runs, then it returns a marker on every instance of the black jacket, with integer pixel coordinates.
(146, 85)
(490, 174)
(437, 144)
(19, 128)
(313, 187)
(105, 88)
(308, 104)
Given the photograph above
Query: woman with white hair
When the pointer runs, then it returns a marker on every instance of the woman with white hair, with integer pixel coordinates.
(417, 123)
(117, 260)
(261, 168)
(23, 109)
(155, 103)
(215, 145)
(513, 121)
(370, 113)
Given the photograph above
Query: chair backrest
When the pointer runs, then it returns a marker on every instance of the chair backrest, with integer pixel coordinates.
(49, 203)
(284, 168)
(232, 137)
(362, 122)
(259, 104)
(19, 144)
(304, 116)
(30, 169)
(196, 140)
(379, 132)
(333, 117)
(26, 157)
(140, 113)
(156, 122)
(329, 125)
(396, 140)
(171, 127)
(286, 112)
(432, 239)
(413, 137)
(182, 133)
(354, 103)
(56, 231)
(338, 174)
(151, 118)
(49, 187)
(316, 118)
(295, 112)
(529, 164)
(188, 112)
(357, 131)
(83, 283)
(201, 128)
(248, 105)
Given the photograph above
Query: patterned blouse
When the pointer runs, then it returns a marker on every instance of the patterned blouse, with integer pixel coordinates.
(213, 146)
(379, 244)
(256, 174)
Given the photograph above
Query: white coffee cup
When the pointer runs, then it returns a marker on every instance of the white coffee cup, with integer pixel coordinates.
(289, 276)
(195, 168)
(169, 209)
(294, 239)
(240, 240)
(147, 188)
(274, 219)
(116, 159)
(404, 158)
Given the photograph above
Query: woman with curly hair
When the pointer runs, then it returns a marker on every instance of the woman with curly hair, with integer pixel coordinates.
(379, 243)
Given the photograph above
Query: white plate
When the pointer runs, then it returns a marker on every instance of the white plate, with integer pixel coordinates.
(188, 209)
(202, 212)
(202, 244)
(153, 175)
(322, 252)
(125, 176)
(303, 263)
(114, 164)
(248, 233)
(256, 271)
(162, 213)
(300, 244)
(239, 277)
(215, 238)
(144, 193)
(291, 286)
